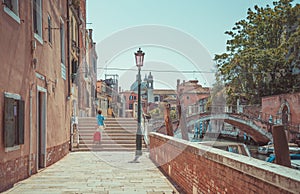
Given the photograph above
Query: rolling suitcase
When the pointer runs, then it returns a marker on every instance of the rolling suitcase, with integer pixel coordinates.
(97, 137)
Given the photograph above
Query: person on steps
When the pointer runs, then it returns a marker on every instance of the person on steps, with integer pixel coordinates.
(100, 127)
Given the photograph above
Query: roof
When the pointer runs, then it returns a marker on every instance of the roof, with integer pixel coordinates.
(164, 91)
(170, 98)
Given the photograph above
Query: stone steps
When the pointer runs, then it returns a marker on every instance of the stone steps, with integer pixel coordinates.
(119, 135)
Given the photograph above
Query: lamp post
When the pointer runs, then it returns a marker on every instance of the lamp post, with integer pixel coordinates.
(139, 59)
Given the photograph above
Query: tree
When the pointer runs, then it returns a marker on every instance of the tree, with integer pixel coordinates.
(256, 62)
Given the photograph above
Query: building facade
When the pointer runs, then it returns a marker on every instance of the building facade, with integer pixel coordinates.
(193, 97)
(283, 109)
(41, 51)
(103, 99)
(130, 99)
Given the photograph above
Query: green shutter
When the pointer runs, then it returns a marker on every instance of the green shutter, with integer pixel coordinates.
(9, 122)
(21, 115)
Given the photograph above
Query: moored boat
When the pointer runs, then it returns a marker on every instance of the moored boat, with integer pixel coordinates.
(269, 149)
(238, 148)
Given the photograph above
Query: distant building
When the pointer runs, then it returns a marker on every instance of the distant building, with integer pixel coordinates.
(283, 109)
(161, 94)
(130, 103)
(103, 98)
(193, 96)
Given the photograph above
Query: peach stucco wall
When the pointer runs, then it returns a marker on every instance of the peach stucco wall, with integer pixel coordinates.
(18, 76)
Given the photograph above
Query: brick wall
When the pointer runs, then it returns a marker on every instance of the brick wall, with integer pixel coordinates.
(272, 104)
(56, 153)
(201, 169)
(13, 171)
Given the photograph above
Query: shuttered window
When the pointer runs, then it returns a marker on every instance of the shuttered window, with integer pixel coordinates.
(20, 116)
(13, 122)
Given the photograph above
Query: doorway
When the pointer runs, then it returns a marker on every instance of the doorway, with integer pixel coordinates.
(41, 127)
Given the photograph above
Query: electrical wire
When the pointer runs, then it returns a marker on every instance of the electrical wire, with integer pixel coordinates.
(184, 71)
(152, 70)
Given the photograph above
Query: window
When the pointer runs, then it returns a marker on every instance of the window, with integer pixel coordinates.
(62, 51)
(72, 29)
(11, 7)
(74, 71)
(95, 64)
(49, 29)
(130, 106)
(37, 20)
(130, 97)
(62, 43)
(134, 97)
(156, 99)
(13, 120)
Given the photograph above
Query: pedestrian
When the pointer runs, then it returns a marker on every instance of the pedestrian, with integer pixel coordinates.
(100, 127)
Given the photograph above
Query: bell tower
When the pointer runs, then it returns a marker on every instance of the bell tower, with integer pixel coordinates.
(150, 88)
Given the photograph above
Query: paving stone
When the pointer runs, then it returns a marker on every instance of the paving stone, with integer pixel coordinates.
(101, 172)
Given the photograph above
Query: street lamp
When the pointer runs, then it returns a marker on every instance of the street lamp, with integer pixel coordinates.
(139, 59)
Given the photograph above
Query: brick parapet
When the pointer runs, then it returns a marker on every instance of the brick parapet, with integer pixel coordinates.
(202, 169)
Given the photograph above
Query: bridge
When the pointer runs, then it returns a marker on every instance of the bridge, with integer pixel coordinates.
(259, 129)
(256, 128)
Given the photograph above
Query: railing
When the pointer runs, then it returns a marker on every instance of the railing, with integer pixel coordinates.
(263, 118)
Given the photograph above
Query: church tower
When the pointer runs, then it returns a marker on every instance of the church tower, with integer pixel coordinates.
(150, 88)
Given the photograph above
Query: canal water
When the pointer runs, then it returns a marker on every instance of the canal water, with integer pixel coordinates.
(250, 145)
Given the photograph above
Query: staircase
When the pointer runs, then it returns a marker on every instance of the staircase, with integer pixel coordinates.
(119, 135)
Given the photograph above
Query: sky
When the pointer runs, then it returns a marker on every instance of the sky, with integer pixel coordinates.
(179, 38)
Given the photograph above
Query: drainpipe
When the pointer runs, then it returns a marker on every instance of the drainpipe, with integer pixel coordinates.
(68, 68)
(30, 130)
(30, 97)
(68, 48)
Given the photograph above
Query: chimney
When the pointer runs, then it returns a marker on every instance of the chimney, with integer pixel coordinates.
(91, 33)
(177, 86)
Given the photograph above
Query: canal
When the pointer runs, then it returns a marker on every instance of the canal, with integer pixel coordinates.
(252, 147)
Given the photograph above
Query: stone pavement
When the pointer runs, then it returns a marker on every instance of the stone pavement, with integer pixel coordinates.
(98, 172)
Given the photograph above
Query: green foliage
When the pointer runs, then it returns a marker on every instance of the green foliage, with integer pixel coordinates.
(260, 53)
(154, 112)
(173, 114)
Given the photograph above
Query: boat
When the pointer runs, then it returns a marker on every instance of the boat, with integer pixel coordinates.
(269, 149)
(238, 148)
(295, 160)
